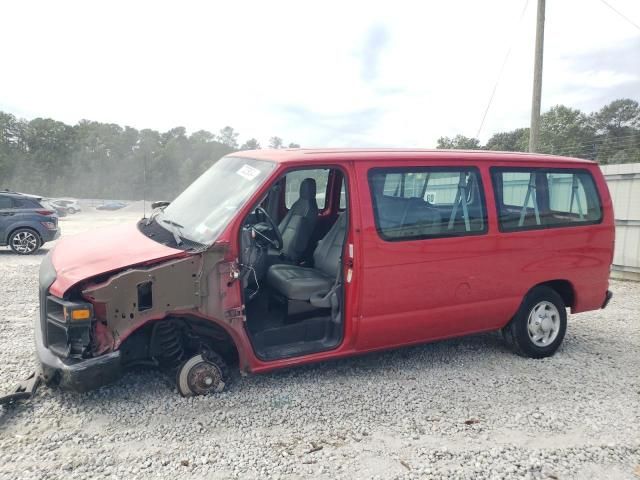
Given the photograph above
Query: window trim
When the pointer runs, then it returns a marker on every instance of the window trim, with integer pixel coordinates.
(566, 170)
(431, 169)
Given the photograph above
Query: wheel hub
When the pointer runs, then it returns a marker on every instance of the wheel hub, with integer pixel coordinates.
(204, 378)
(543, 324)
(547, 324)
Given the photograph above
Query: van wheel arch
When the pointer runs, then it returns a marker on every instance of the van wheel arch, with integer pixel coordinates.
(199, 332)
(562, 287)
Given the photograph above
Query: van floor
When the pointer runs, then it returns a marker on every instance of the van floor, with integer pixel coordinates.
(275, 334)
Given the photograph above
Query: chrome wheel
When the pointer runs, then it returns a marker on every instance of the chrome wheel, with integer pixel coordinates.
(543, 324)
(24, 242)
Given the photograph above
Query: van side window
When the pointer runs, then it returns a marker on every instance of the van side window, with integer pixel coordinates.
(424, 202)
(543, 198)
(295, 178)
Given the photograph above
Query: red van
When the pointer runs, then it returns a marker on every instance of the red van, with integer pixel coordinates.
(278, 258)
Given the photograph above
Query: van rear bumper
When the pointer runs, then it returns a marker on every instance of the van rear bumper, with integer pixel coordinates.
(607, 298)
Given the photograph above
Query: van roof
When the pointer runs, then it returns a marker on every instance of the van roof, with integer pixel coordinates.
(286, 155)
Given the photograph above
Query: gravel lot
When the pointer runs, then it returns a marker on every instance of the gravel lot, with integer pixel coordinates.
(466, 408)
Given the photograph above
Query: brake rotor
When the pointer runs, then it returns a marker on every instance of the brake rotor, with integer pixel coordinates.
(199, 377)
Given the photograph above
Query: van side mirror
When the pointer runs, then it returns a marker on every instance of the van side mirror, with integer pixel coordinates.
(159, 204)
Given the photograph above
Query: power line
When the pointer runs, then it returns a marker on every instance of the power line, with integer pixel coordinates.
(504, 62)
(621, 14)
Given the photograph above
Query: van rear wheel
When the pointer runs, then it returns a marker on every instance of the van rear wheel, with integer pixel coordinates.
(202, 376)
(539, 326)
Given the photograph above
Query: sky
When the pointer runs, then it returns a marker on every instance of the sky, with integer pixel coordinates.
(321, 74)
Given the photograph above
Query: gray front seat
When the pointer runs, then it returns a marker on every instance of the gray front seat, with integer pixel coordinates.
(300, 283)
(298, 224)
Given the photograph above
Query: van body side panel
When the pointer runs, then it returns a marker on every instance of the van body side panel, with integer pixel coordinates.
(594, 256)
(427, 289)
(579, 254)
(420, 290)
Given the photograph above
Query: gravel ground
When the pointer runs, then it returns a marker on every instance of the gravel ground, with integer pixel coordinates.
(465, 408)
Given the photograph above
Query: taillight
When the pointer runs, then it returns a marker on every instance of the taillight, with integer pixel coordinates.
(45, 212)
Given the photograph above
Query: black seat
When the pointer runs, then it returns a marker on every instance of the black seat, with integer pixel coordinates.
(298, 224)
(300, 283)
(400, 217)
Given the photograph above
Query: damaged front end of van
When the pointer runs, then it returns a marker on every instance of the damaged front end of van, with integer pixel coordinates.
(163, 306)
(155, 293)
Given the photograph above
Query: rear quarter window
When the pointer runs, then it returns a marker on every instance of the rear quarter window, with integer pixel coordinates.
(543, 198)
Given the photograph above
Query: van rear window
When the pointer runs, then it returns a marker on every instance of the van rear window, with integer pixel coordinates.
(544, 198)
(427, 202)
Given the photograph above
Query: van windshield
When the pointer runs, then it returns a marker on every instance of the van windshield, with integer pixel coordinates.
(201, 212)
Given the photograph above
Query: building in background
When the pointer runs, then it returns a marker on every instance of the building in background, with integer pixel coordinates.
(624, 184)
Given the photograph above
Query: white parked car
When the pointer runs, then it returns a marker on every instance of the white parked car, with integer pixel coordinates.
(69, 205)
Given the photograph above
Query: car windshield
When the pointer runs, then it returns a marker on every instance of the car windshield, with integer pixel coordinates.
(206, 206)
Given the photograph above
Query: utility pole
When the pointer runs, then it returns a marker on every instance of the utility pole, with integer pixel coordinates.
(534, 131)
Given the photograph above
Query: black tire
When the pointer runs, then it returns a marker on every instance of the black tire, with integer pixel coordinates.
(71, 210)
(517, 333)
(192, 375)
(25, 241)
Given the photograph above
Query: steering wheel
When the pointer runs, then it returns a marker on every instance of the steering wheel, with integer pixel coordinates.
(278, 243)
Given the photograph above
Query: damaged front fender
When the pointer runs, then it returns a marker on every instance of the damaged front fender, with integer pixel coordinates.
(129, 299)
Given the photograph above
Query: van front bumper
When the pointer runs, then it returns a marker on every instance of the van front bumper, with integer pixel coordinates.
(73, 374)
(77, 374)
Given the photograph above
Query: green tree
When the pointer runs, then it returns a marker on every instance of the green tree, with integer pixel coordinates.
(618, 118)
(617, 127)
(228, 137)
(276, 142)
(566, 131)
(514, 141)
(251, 144)
(459, 142)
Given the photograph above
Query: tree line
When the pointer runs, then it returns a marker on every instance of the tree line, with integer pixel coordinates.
(104, 160)
(610, 135)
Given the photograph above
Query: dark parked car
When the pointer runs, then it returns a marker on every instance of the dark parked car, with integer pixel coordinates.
(25, 225)
(111, 206)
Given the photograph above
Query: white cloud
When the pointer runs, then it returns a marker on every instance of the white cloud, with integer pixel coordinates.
(330, 73)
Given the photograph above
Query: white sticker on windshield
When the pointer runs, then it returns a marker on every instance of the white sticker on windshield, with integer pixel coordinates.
(248, 172)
